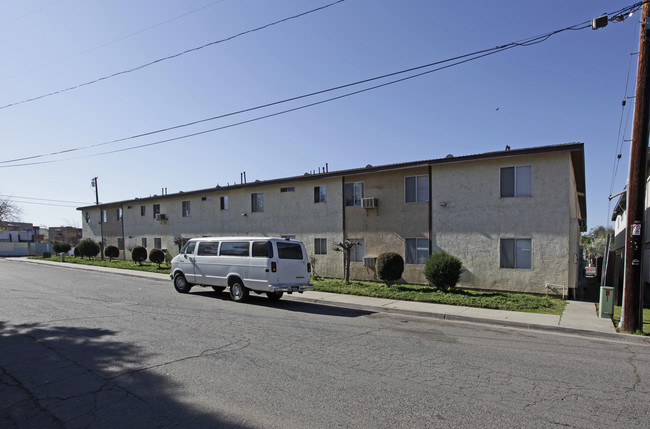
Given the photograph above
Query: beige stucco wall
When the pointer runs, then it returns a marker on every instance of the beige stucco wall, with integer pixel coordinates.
(475, 218)
(468, 225)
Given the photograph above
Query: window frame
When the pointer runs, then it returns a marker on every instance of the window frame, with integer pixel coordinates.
(514, 190)
(351, 191)
(257, 202)
(515, 250)
(416, 252)
(416, 179)
(223, 202)
(320, 246)
(320, 194)
(156, 210)
(358, 252)
(186, 208)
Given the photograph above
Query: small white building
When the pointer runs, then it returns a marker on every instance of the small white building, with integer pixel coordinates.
(513, 217)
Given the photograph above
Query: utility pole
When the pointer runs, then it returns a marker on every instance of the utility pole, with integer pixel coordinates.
(94, 184)
(631, 314)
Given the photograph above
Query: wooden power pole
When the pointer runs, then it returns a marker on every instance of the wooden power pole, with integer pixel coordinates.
(631, 317)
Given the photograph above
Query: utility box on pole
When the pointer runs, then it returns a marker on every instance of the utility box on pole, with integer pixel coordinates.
(606, 302)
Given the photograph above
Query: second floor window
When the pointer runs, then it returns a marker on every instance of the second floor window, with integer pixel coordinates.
(156, 210)
(320, 194)
(353, 193)
(416, 189)
(257, 202)
(187, 209)
(516, 181)
(119, 214)
(224, 203)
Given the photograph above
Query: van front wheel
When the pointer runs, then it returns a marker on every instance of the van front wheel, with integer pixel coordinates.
(238, 292)
(181, 284)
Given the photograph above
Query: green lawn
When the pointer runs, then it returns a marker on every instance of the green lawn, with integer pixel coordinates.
(468, 298)
(115, 263)
(646, 318)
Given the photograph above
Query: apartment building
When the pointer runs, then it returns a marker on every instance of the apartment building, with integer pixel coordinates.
(513, 217)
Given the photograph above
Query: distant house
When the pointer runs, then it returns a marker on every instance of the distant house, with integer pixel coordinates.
(513, 217)
(21, 239)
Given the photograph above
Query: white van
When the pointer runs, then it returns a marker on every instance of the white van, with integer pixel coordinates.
(260, 264)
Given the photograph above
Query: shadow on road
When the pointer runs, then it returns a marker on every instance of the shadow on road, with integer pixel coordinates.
(67, 377)
(283, 304)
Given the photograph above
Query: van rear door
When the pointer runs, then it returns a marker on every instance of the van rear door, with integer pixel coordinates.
(292, 263)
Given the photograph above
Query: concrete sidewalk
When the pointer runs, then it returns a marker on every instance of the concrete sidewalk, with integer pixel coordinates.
(578, 318)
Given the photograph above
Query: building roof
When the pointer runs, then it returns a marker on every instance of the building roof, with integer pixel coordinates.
(577, 160)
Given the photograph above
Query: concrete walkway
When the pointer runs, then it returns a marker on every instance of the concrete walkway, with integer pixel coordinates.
(578, 318)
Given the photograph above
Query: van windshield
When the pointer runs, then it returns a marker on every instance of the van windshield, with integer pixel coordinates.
(289, 250)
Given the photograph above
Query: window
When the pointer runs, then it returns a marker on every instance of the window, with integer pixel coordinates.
(515, 252)
(320, 246)
(416, 189)
(262, 249)
(288, 189)
(358, 251)
(353, 192)
(516, 181)
(234, 248)
(143, 210)
(417, 250)
(104, 217)
(144, 241)
(187, 208)
(157, 243)
(208, 198)
(288, 250)
(209, 248)
(87, 217)
(156, 210)
(257, 202)
(189, 247)
(120, 243)
(224, 203)
(119, 214)
(320, 194)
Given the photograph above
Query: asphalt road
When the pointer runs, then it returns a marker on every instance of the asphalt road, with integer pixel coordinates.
(81, 349)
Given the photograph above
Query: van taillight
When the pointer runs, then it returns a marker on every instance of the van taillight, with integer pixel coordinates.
(308, 267)
(274, 267)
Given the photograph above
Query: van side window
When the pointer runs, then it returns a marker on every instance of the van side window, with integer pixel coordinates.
(208, 248)
(289, 250)
(189, 248)
(262, 249)
(234, 248)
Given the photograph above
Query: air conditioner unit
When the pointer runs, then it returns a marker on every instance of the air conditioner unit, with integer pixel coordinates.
(369, 203)
(370, 261)
(161, 216)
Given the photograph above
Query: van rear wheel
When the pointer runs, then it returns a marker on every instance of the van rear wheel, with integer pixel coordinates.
(238, 292)
(181, 284)
(274, 296)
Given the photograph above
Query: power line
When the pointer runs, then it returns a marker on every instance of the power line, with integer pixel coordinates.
(103, 45)
(159, 60)
(42, 199)
(28, 13)
(458, 60)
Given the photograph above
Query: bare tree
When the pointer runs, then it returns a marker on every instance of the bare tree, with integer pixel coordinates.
(346, 247)
(9, 212)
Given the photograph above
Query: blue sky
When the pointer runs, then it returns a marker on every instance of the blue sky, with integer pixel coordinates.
(567, 89)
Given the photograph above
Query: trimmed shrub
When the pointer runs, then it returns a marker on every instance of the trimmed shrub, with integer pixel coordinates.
(111, 252)
(139, 254)
(47, 255)
(77, 253)
(389, 267)
(157, 256)
(443, 270)
(61, 247)
(88, 247)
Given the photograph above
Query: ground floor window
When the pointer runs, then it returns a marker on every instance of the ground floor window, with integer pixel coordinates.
(515, 252)
(320, 246)
(157, 243)
(417, 250)
(358, 251)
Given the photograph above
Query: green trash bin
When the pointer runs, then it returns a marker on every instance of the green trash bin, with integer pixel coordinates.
(606, 302)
